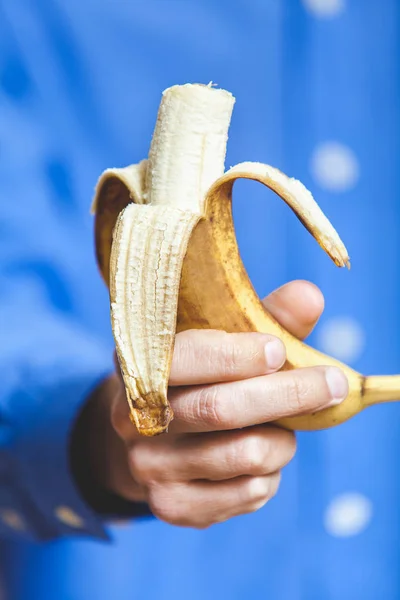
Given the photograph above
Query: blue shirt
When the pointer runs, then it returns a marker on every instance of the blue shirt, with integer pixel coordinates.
(317, 89)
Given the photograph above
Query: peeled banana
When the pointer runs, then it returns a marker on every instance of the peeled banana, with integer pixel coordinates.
(166, 248)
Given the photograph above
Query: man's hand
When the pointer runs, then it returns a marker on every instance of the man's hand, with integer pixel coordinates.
(220, 458)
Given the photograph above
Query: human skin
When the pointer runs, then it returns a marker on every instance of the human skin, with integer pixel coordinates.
(221, 457)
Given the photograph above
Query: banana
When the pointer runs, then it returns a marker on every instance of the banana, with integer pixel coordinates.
(146, 260)
(166, 248)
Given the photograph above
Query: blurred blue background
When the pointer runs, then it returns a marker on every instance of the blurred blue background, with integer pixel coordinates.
(317, 90)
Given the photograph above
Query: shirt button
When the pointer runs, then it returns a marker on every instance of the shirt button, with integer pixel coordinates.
(68, 516)
(11, 518)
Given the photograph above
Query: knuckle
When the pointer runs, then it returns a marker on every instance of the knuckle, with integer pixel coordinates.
(208, 407)
(265, 492)
(252, 454)
(257, 489)
(140, 466)
(243, 351)
(234, 354)
(281, 449)
(256, 505)
(298, 392)
(164, 505)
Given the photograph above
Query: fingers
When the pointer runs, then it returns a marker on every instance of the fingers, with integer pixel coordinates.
(201, 504)
(255, 451)
(258, 400)
(209, 356)
(297, 306)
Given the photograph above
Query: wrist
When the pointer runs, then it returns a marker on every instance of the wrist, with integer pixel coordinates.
(95, 449)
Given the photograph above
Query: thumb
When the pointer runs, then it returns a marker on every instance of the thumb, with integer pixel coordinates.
(296, 306)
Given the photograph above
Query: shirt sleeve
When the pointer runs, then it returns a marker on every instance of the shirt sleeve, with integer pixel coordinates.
(48, 369)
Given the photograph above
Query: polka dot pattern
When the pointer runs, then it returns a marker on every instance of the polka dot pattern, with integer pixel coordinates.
(334, 167)
(324, 8)
(348, 514)
(342, 338)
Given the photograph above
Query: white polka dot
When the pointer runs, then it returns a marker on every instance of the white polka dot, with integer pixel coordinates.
(67, 516)
(334, 167)
(341, 337)
(11, 518)
(324, 8)
(348, 514)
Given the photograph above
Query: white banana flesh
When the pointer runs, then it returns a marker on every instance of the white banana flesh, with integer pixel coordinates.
(187, 152)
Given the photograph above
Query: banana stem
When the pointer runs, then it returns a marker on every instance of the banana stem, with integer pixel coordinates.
(380, 388)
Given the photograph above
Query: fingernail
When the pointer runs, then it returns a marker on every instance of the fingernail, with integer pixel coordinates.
(275, 354)
(337, 384)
